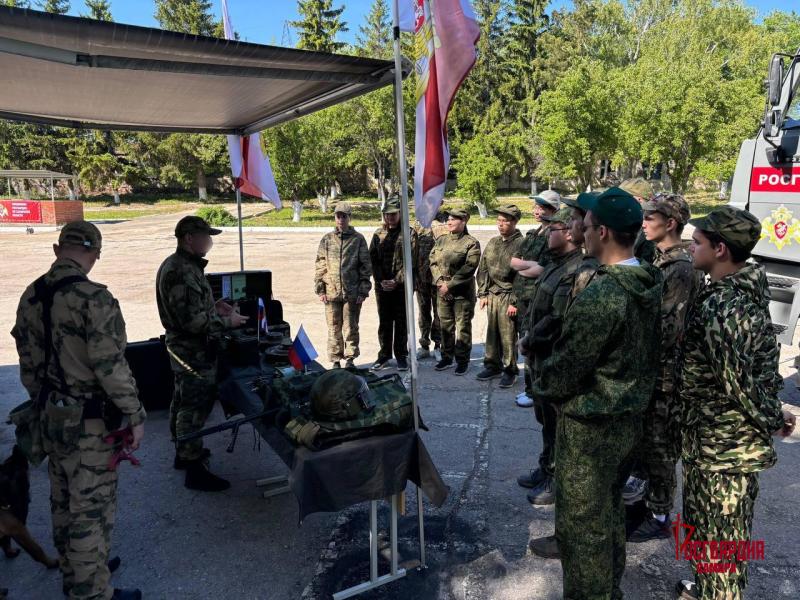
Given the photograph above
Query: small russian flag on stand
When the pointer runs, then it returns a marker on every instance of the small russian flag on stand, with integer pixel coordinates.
(302, 351)
(262, 316)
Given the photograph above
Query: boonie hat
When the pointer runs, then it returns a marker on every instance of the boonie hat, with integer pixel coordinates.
(194, 224)
(739, 228)
(81, 233)
(615, 208)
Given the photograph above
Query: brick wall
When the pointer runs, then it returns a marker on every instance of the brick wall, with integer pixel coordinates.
(61, 212)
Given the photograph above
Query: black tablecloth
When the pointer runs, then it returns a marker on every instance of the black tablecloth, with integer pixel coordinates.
(335, 478)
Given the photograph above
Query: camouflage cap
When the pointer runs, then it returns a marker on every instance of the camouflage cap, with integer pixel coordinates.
(511, 211)
(81, 233)
(194, 224)
(739, 228)
(615, 208)
(672, 206)
(637, 186)
(343, 207)
(549, 198)
(458, 213)
(562, 215)
(392, 206)
(571, 201)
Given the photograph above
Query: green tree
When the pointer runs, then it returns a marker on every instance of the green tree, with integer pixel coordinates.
(477, 169)
(187, 16)
(99, 9)
(375, 36)
(16, 3)
(319, 25)
(59, 7)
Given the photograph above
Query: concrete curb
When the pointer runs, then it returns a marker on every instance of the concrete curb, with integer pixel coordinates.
(360, 229)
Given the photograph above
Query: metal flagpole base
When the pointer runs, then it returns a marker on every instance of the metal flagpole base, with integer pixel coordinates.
(395, 573)
(281, 483)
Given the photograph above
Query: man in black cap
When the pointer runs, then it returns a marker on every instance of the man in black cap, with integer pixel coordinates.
(601, 394)
(193, 324)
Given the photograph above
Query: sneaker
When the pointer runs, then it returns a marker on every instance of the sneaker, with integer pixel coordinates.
(488, 374)
(546, 547)
(199, 478)
(349, 364)
(461, 368)
(524, 401)
(336, 365)
(686, 589)
(379, 364)
(507, 380)
(531, 479)
(443, 364)
(634, 490)
(650, 528)
(180, 464)
(423, 353)
(402, 364)
(544, 494)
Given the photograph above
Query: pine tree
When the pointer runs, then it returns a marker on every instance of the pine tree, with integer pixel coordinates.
(375, 36)
(186, 16)
(59, 7)
(16, 3)
(319, 25)
(99, 9)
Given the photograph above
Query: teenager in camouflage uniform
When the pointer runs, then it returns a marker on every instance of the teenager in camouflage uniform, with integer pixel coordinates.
(664, 219)
(495, 279)
(386, 254)
(533, 249)
(601, 394)
(546, 314)
(429, 329)
(729, 391)
(642, 190)
(87, 370)
(193, 325)
(454, 260)
(342, 282)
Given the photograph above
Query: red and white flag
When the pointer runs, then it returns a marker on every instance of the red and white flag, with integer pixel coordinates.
(262, 316)
(252, 172)
(445, 33)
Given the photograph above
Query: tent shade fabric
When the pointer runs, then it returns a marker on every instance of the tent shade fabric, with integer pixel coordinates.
(78, 72)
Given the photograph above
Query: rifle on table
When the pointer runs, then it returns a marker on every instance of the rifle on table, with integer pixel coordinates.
(233, 425)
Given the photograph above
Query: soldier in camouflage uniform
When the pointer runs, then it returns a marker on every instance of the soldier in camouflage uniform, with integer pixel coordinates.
(86, 374)
(664, 219)
(532, 250)
(454, 260)
(429, 330)
(495, 279)
(601, 395)
(729, 391)
(342, 282)
(546, 314)
(642, 190)
(193, 324)
(386, 254)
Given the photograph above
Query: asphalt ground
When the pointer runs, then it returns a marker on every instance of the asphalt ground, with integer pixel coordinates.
(175, 543)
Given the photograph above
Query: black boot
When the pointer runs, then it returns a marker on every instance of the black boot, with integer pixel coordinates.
(199, 478)
(126, 594)
(113, 564)
(180, 463)
(546, 547)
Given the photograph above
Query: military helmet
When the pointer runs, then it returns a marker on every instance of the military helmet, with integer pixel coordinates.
(339, 395)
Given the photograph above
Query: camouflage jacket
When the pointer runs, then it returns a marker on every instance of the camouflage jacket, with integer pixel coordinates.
(88, 342)
(590, 371)
(585, 273)
(186, 308)
(730, 380)
(343, 266)
(386, 254)
(681, 282)
(422, 268)
(454, 259)
(495, 275)
(644, 249)
(532, 247)
(542, 323)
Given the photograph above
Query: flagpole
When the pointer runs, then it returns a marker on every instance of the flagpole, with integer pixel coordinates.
(239, 212)
(408, 267)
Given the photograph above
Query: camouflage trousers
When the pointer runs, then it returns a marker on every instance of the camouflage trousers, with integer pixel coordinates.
(342, 318)
(592, 463)
(455, 318)
(500, 353)
(83, 497)
(659, 451)
(429, 329)
(720, 506)
(392, 326)
(193, 400)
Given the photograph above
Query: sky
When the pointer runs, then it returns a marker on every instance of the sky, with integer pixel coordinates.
(265, 21)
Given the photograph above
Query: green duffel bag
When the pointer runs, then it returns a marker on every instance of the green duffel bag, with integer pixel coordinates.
(27, 419)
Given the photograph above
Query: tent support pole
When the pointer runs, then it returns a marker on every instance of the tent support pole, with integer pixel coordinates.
(408, 267)
(239, 217)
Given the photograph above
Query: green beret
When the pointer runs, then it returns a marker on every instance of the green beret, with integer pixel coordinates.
(739, 228)
(615, 208)
(511, 211)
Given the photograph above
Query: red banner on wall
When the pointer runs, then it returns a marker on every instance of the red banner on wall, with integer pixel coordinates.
(20, 211)
(770, 179)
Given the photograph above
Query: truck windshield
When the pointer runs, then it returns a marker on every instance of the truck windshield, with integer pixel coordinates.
(792, 119)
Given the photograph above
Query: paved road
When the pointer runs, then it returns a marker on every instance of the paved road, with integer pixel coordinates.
(179, 544)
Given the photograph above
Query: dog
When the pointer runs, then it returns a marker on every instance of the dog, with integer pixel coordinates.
(14, 501)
